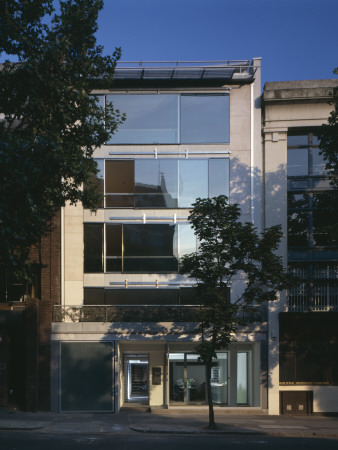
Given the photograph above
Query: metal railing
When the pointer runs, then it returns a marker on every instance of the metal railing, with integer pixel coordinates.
(142, 313)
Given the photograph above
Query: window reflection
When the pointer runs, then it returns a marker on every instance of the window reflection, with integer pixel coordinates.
(150, 119)
(164, 183)
(298, 162)
(193, 181)
(171, 118)
(156, 183)
(218, 177)
(204, 118)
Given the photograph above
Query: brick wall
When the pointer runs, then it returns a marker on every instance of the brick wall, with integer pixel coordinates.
(39, 319)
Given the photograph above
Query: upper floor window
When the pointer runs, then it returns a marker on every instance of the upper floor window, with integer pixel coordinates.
(304, 157)
(163, 183)
(172, 118)
(136, 248)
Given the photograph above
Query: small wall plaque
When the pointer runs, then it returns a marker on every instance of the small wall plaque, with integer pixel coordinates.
(156, 378)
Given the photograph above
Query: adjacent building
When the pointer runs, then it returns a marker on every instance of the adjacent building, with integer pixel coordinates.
(299, 196)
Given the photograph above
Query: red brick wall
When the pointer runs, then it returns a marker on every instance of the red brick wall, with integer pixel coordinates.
(39, 320)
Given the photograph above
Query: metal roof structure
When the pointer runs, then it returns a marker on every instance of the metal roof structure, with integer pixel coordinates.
(185, 70)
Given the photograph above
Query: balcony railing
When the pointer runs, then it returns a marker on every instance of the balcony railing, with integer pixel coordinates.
(142, 313)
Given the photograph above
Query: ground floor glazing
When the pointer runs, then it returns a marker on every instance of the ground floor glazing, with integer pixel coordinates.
(106, 375)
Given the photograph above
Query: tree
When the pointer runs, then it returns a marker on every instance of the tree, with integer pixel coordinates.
(228, 249)
(328, 136)
(51, 122)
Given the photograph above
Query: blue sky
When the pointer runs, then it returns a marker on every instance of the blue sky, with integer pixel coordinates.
(297, 39)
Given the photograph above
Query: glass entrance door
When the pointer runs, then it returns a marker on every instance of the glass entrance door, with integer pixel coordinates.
(196, 380)
(188, 379)
(136, 379)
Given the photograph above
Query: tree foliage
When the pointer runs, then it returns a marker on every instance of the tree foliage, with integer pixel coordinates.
(51, 124)
(230, 250)
(329, 138)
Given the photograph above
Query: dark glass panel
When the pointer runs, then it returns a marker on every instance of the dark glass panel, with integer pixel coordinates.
(218, 177)
(298, 140)
(156, 183)
(149, 240)
(193, 181)
(204, 118)
(119, 201)
(149, 264)
(297, 229)
(119, 177)
(113, 264)
(93, 247)
(311, 366)
(150, 119)
(298, 162)
(113, 240)
(189, 296)
(142, 296)
(287, 367)
(325, 232)
(297, 201)
(93, 296)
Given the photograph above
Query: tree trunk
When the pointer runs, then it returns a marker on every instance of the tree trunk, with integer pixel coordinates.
(212, 423)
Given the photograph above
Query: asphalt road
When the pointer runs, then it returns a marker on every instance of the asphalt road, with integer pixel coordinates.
(19, 440)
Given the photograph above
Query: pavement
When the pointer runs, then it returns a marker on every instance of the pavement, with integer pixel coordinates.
(170, 421)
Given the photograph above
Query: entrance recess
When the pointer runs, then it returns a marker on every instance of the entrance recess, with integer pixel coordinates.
(136, 375)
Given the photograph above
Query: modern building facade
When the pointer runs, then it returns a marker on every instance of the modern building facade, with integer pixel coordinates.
(124, 333)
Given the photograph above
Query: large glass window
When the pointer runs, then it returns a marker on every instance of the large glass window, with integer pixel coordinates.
(204, 118)
(171, 118)
(150, 119)
(164, 183)
(136, 248)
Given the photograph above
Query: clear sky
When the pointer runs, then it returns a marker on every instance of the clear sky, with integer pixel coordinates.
(297, 39)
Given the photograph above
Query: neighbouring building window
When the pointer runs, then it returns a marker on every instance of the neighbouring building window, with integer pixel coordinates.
(171, 118)
(304, 157)
(136, 248)
(164, 183)
(308, 346)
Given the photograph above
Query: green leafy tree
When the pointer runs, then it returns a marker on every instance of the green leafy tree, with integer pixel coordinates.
(329, 138)
(50, 123)
(227, 249)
